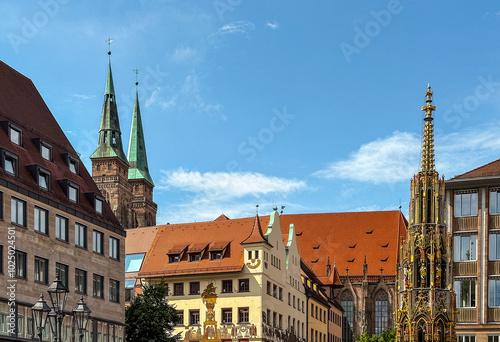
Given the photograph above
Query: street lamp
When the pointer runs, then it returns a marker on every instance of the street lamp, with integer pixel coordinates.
(58, 294)
(40, 313)
(81, 314)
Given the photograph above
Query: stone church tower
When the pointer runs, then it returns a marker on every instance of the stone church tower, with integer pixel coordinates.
(425, 305)
(125, 183)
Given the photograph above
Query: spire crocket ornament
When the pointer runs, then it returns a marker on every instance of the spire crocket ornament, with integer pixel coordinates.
(425, 304)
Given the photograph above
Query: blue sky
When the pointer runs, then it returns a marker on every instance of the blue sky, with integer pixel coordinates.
(315, 106)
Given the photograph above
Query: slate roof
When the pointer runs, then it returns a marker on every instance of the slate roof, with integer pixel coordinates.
(22, 105)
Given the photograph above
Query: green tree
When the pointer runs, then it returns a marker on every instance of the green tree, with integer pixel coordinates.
(388, 335)
(150, 318)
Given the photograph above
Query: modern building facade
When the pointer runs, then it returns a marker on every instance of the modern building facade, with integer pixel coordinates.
(474, 219)
(124, 181)
(425, 302)
(53, 222)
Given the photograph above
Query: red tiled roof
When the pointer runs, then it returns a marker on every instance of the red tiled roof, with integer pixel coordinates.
(347, 238)
(256, 235)
(340, 236)
(22, 105)
(488, 170)
(139, 239)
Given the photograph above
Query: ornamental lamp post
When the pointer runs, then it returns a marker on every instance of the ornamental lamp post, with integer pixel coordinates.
(40, 313)
(58, 294)
(81, 314)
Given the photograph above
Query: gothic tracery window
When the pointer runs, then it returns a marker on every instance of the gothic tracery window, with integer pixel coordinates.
(347, 303)
(381, 312)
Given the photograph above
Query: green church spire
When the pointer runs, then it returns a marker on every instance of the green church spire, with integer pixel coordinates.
(110, 136)
(137, 147)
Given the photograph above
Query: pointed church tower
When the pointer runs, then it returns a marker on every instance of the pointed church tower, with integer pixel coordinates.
(143, 207)
(425, 305)
(109, 163)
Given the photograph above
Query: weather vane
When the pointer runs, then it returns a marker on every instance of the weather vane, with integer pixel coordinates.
(136, 75)
(109, 41)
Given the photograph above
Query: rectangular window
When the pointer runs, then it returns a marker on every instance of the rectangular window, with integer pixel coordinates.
(98, 286)
(98, 205)
(194, 317)
(98, 242)
(1, 205)
(227, 315)
(465, 247)
(80, 281)
(62, 273)
(174, 258)
(18, 212)
(114, 291)
(1, 259)
(178, 289)
(468, 338)
(133, 262)
(15, 134)
(493, 338)
(243, 316)
(466, 204)
(194, 256)
(41, 220)
(73, 164)
(20, 258)
(114, 248)
(73, 193)
(495, 202)
(194, 288)
(46, 150)
(43, 178)
(494, 253)
(244, 285)
(275, 291)
(466, 293)
(227, 286)
(80, 235)
(10, 163)
(281, 293)
(180, 315)
(61, 228)
(268, 288)
(280, 321)
(494, 292)
(215, 255)
(41, 270)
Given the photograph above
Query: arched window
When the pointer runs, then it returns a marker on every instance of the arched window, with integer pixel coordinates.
(381, 316)
(347, 303)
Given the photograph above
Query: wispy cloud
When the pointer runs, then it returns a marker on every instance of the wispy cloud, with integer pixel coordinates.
(396, 158)
(83, 96)
(234, 194)
(392, 159)
(184, 54)
(272, 25)
(495, 15)
(236, 27)
(188, 94)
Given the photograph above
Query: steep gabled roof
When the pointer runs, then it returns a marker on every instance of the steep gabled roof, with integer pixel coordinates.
(256, 235)
(22, 105)
(489, 170)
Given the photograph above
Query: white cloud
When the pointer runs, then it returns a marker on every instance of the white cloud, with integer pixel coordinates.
(272, 25)
(229, 185)
(184, 54)
(235, 194)
(84, 96)
(392, 159)
(397, 157)
(236, 27)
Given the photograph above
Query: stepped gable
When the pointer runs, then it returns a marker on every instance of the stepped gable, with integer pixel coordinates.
(22, 105)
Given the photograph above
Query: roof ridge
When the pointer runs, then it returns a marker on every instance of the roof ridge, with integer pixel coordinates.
(475, 169)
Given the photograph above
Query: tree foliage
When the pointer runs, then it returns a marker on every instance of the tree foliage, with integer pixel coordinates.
(150, 318)
(388, 335)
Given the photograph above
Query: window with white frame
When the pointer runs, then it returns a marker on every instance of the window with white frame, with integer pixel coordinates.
(41, 270)
(41, 220)
(98, 242)
(465, 247)
(466, 338)
(494, 253)
(466, 204)
(495, 202)
(15, 134)
(46, 150)
(493, 338)
(80, 235)
(466, 293)
(73, 193)
(9, 162)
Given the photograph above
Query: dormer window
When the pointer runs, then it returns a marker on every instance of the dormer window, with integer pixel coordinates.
(216, 255)
(71, 189)
(174, 258)
(44, 147)
(15, 134)
(9, 162)
(41, 176)
(97, 201)
(195, 256)
(72, 163)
